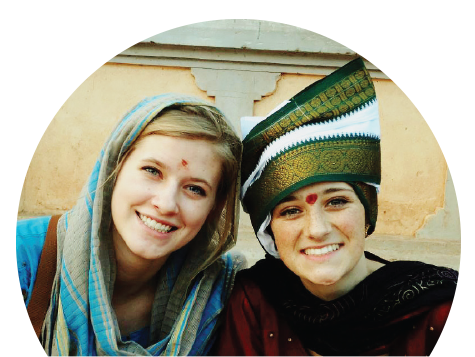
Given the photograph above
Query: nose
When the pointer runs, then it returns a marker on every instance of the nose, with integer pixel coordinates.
(165, 199)
(317, 225)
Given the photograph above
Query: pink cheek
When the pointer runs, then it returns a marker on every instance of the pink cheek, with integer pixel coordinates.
(311, 199)
(351, 228)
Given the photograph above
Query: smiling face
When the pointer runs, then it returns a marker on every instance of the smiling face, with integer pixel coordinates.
(319, 232)
(163, 194)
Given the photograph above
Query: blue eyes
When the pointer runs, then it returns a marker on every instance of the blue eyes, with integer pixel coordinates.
(290, 212)
(338, 202)
(332, 204)
(195, 190)
(152, 170)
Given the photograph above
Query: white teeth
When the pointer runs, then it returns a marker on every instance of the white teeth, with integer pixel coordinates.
(155, 225)
(324, 250)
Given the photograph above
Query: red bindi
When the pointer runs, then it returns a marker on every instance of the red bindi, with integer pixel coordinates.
(311, 199)
(184, 163)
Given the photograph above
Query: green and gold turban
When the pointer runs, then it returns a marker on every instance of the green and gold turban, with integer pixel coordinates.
(327, 132)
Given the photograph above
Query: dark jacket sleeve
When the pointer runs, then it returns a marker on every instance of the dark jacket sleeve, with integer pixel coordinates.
(239, 334)
(252, 327)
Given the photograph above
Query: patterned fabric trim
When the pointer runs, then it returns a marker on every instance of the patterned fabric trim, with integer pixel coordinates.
(341, 92)
(340, 159)
(417, 284)
(359, 123)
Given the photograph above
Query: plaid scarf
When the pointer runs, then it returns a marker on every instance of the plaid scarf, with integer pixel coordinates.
(192, 286)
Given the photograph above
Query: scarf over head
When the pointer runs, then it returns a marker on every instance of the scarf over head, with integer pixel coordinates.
(327, 132)
(192, 286)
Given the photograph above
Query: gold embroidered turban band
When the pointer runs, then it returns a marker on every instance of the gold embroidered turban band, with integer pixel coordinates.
(327, 132)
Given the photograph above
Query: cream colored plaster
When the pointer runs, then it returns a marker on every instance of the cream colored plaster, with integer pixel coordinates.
(287, 86)
(413, 166)
(414, 169)
(69, 147)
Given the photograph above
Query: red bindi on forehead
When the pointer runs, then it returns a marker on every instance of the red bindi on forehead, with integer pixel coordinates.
(311, 199)
(184, 162)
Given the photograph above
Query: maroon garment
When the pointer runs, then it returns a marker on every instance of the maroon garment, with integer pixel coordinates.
(253, 327)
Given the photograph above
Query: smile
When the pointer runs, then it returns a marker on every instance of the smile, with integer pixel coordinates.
(322, 251)
(159, 227)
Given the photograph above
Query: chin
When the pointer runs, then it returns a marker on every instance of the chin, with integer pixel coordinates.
(325, 278)
(325, 281)
(146, 252)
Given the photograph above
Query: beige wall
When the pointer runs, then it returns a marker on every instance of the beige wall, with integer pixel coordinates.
(67, 152)
(414, 171)
(413, 166)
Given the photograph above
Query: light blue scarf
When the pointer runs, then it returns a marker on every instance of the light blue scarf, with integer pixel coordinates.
(192, 288)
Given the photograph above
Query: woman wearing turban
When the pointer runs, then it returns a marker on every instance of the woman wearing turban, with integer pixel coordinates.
(311, 172)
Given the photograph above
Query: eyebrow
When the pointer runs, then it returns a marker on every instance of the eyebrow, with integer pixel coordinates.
(156, 162)
(327, 191)
(196, 179)
(287, 199)
(337, 189)
(161, 164)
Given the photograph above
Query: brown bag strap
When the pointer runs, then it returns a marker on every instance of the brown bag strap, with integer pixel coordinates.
(40, 296)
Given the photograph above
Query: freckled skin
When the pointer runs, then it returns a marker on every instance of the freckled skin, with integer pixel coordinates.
(311, 199)
(184, 163)
(329, 220)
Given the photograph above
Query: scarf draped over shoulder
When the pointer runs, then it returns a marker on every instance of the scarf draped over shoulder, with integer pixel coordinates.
(192, 286)
(371, 315)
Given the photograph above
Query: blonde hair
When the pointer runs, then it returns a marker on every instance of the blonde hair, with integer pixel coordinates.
(199, 122)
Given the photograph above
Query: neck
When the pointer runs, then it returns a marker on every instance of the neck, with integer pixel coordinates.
(132, 278)
(134, 274)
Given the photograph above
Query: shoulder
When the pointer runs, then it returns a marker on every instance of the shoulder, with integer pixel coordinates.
(249, 291)
(30, 235)
(434, 323)
(252, 325)
(425, 332)
(246, 294)
(244, 289)
(246, 300)
(253, 277)
(234, 261)
(411, 290)
(437, 316)
(412, 272)
(33, 226)
(226, 267)
(431, 320)
(30, 238)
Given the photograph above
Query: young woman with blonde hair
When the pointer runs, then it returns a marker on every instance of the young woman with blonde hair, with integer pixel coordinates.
(140, 266)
